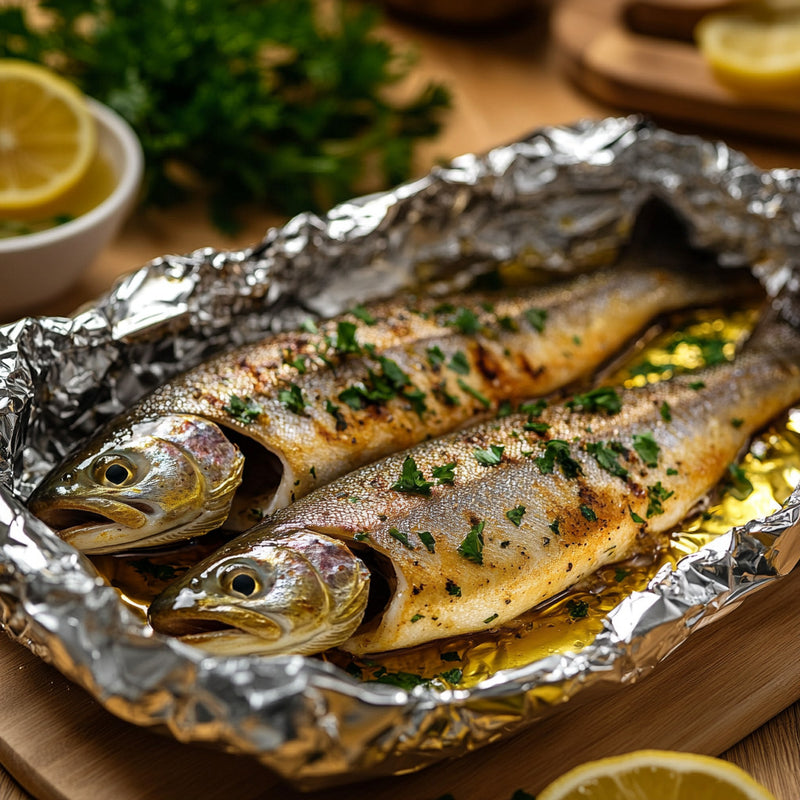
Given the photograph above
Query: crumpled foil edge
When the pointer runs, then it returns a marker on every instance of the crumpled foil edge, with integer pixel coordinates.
(560, 199)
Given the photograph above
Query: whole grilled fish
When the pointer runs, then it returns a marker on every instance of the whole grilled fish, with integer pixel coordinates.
(470, 530)
(253, 429)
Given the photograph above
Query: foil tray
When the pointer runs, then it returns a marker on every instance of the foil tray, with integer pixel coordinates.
(561, 199)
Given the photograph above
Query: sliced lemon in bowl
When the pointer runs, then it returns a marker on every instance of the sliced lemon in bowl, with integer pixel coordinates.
(756, 48)
(48, 137)
(656, 775)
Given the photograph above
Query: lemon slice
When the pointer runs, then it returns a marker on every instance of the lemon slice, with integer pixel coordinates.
(47, 135)
(754, 49)
(656, 775)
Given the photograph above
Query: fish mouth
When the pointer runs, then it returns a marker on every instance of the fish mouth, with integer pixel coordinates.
(75, 520)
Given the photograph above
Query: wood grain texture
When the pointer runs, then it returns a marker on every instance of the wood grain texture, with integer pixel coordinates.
(727, 680)
(660, 76)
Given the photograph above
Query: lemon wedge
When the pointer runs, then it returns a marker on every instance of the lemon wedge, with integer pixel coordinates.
(754, 49)
(656, 775)
(48, 136)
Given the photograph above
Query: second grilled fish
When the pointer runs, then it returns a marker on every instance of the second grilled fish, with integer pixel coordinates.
(305, 407)
(470, 530)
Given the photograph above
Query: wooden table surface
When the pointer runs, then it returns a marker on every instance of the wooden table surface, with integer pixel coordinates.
(505, 82)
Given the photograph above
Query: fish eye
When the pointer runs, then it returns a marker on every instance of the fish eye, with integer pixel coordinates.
(113, 470)
(241, 581)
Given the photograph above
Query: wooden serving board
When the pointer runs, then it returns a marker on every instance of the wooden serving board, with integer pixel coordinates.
(665, 76)
(726, 680)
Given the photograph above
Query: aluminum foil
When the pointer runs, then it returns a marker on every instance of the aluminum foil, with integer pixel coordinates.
(561, 199)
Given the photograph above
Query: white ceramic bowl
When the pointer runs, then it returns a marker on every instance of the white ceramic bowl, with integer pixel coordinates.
(38, 266)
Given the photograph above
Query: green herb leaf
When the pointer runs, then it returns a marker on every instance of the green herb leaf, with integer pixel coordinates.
(417, 617)
(482, 399)
(537, 318)
(452, 675)
(466, 321)
(602, 398)
(490, 619)
(634, 516)
(536, 427)
(450, 655)
(435, 356)
(737, 483)
(452, 588)
(534, 408)
(697, 385)
(459, 363)
(557, 452)
(426, 537)
(490, 457)
(472, 546)
(577, 609)
(293, 398)
(244, 410)
(411, 479)
(401, 537)
(656, 495)
(607, 458)
(346, 338)
(588, 513)
(359, 312)
(445, 473)
(516, 514)
(303, 94)
(666, 412)
(647, 448)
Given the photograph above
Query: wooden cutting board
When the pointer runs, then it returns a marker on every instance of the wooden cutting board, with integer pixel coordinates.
(726, 680)
(609, 48)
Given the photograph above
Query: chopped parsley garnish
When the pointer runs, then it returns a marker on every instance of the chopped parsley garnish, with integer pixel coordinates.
(696, 385)
(472, 546)
(647, 448)
(536, 317)
(554, 526)
(516, 514)
(490, 457)
(334, 411)
(426, 537)
(504, 409)
(737, 422)
(411, 479)
(536, 427)
(417, 617)
(416, 397)
(620, 574)
(292, 398)
(465, 387)
(361, 536)
(452, 675)
(601, 398)
(737, 483)
(453, 588)
(534, 408)
(435, 356)
(378, 388)
(505, 544)
(577, 609)
(443, 396)
(299, 363)
(607, 457)
(359, 312)
(666, 412)
(656, 495)
(634, 516)
(557, 452)
(466, 320)
(309, 326)
(588, 513)
(403, 680)
(401, 537)
(244, 410)
(393, 373)
(490, 619)
(459, 363)
(444, 473)
(346, 338)
(672, 471)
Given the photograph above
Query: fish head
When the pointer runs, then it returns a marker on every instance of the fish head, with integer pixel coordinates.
(295, 593)
(141, 485)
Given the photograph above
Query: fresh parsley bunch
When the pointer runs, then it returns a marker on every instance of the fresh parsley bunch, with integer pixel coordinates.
(280, 102)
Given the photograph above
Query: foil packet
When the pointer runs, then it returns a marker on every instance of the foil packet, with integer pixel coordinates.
(561, 199)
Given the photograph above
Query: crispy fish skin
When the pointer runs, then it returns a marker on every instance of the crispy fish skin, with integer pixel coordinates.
(571, 490)
(308, 407)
